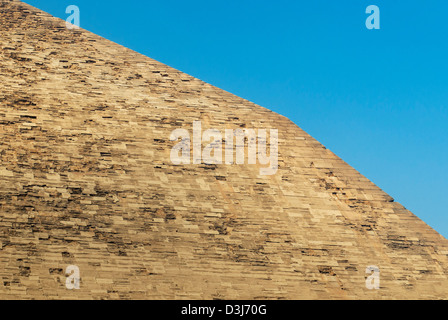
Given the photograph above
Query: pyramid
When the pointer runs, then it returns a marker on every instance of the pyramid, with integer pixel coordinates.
(87, 180)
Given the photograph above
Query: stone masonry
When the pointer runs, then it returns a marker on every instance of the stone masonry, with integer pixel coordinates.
(86, 180)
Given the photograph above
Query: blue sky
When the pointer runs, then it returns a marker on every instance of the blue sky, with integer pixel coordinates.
(377, 98)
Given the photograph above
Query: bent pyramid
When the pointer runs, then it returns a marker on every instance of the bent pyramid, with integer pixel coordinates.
(86, 180)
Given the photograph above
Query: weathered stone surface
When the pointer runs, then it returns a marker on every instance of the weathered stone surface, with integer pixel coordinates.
(86, 180)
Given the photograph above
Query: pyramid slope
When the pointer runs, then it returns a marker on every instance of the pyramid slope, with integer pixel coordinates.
(86, 180)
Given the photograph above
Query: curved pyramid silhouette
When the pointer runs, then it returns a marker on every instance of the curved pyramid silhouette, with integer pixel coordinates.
(86, 180)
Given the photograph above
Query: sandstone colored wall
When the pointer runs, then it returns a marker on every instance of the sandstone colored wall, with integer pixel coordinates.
(86, 179)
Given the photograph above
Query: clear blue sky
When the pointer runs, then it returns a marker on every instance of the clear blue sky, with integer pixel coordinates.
(377, 98)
